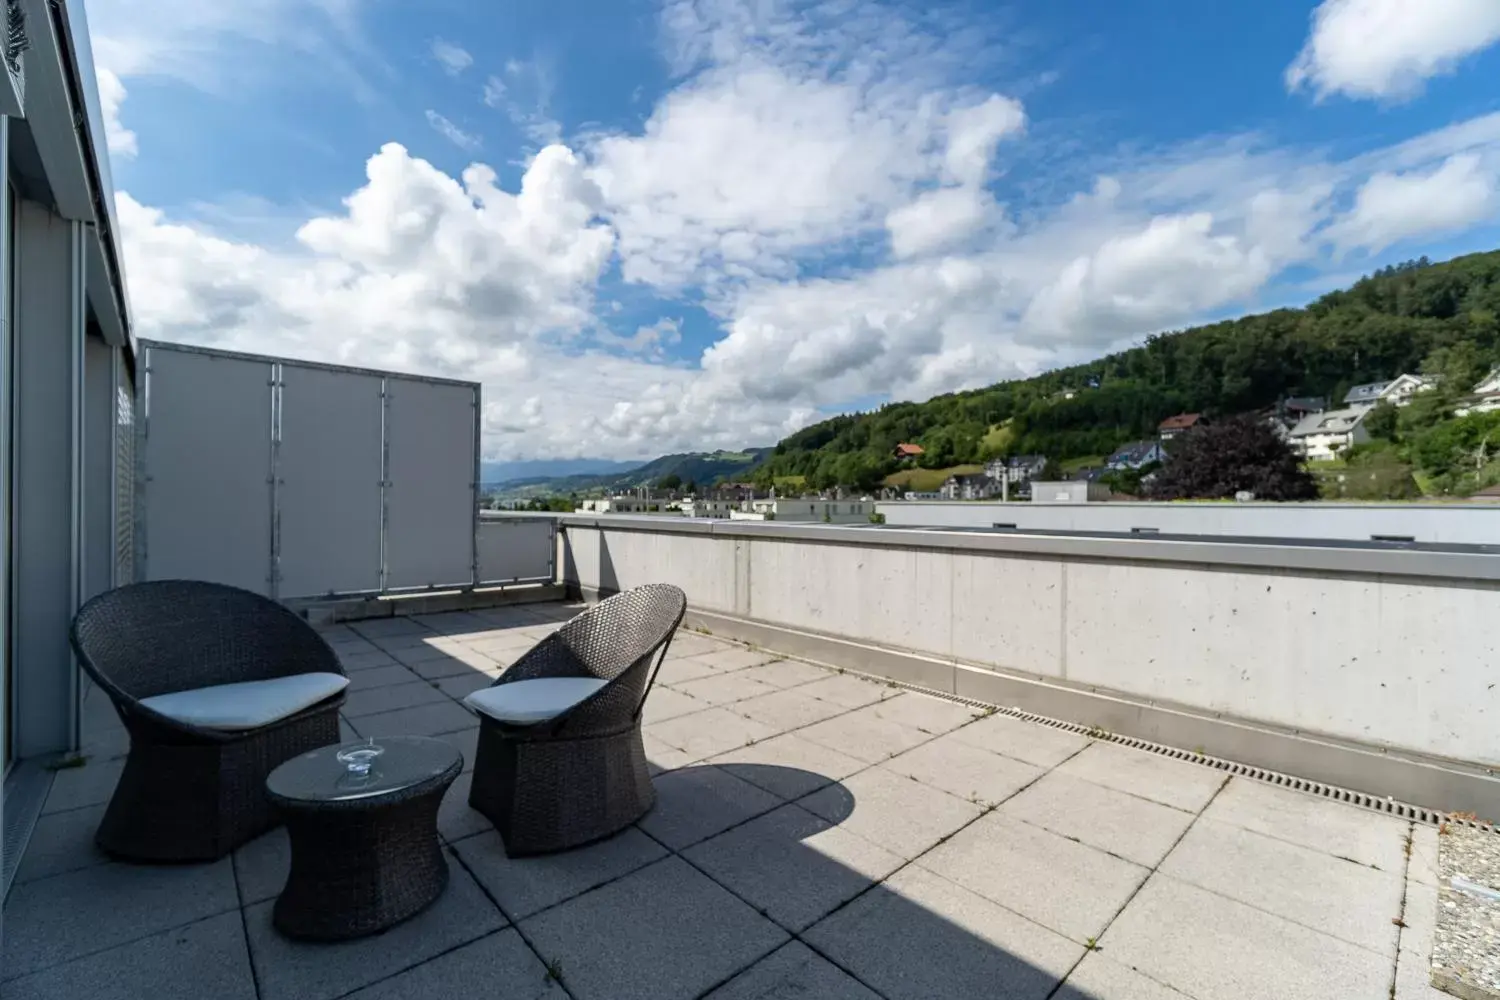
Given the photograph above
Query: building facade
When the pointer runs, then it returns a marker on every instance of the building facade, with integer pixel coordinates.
(67, 376)
(1324, 436)
(807, 510)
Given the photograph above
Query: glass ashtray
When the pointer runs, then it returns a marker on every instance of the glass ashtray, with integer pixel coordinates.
(359, 759)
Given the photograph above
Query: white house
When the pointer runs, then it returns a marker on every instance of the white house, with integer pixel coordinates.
(1322, 436)
(1136, 454)
(625, 505)
(1397, 391)
(974, 486)
(813, 510)
(1485, 397)
(1017, 468)
(696, 507)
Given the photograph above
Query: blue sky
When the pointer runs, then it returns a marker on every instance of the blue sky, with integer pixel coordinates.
(650, 226)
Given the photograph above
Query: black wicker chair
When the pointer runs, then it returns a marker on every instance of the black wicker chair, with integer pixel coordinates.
(190, 793)
(581, 775)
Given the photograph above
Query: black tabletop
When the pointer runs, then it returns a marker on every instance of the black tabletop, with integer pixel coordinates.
(408, 764)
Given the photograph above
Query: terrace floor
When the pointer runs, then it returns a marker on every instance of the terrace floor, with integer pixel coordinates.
(816, 835)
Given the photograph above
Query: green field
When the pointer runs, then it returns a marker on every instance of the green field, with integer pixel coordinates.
(927, 480)
(1086, 462)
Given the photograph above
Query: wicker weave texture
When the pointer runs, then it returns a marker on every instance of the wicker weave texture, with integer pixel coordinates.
(581, 776)
(361, 866)
(189, 793)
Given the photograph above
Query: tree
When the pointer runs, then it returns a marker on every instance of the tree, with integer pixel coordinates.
(671, 481)
(1382, 421)
(1051, 472)
(1218, 460)
(689, 486)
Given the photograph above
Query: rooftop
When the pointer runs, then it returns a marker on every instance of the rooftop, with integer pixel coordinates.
(816, 834)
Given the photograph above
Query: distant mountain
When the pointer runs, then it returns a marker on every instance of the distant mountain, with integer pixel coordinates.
(699, 467)
(551, 468)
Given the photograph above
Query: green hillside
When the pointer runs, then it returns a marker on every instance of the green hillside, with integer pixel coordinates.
(1418, 316)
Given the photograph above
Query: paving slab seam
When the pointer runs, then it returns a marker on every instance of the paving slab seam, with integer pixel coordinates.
(1153, 870)
(239, 894)
(520, 932)
(119, 944)
(874, 885)
(430, 958)
(1401, 910)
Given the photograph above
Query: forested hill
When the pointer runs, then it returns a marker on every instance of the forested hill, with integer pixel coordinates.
(1413, 317)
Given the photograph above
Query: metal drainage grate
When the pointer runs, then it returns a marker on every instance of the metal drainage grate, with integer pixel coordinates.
(25, 792)
(1360, 800)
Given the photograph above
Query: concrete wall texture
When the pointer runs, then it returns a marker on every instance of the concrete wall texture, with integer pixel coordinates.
(1386, 659)
(1477, 524)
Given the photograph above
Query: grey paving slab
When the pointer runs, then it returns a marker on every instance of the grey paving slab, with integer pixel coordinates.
(793, 866)
(424, 653)
(899, 814)
(466, 742)
(445, 716)
(847, 690)
(1069, 887)
(788, 765)
(460, 686)
(688, 644)
(931, 715)
(456, 818)
(380, 628)
(57, 919)
(1175, 783)
(1423, 866)
(500, 648)
(666, 932)
(377, 677)
(347, 733)
(788, 673)
(62, 842)
(523, 886)
(367, 660)
(663, 703)
(203, 959)
(709, 732)
(452, 622)
(89, 785)
(661, 757)
(793, 972)
(919, 936)
(1025, 741)
(389, 699)
(1331, 827)
(722, 689)
(864, 735)
(1136, 829)
(105, 743)
(1420, 918)
(261, 866)
(1414, 980)
(1098, 978)
(966, 771)
(455, 664)
(1213, 948)
(678, 671)
(296, 970)
(1348, 901)
(493, 967)
(694, 803)
(413, 640)
(788, 709)
(735, 659)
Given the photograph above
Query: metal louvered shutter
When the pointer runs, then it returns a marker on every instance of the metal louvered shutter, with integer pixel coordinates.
(124, 479)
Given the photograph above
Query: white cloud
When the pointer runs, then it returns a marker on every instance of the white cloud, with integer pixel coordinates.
(1387, 49)
(121, 140)
(466, 141)
(493, 93)
(453, 58)
(937, 220)
(1391, 207)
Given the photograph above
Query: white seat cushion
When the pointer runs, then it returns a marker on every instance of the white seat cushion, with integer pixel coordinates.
(247, 704)
(533, 701)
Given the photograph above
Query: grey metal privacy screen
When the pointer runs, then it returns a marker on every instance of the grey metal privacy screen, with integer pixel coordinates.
(296, 479)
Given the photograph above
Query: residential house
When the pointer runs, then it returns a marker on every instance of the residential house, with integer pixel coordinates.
(701, 507)
(1292, 409)
(1485, 396)
(908, 452)
(1016, 468)
(922, 495)
(1136, 454)
(1323, 436)
(1177, 425)
(972, 486)
(1397, 391)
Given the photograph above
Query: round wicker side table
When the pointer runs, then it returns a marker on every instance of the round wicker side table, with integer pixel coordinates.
(362, 821)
